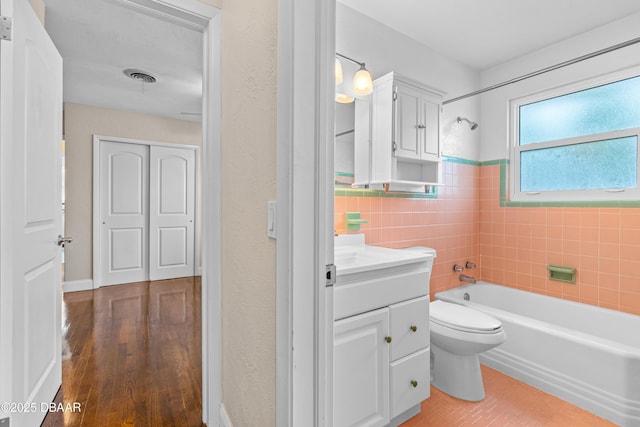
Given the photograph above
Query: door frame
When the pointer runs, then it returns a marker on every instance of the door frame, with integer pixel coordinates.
(203, 17)
(97, 242)
(305, 219)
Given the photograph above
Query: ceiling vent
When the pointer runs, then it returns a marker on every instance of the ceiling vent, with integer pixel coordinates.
(139, 75)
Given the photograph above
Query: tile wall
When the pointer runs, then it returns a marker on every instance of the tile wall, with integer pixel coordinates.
(511, 245)
(448, 223)
(602, 243)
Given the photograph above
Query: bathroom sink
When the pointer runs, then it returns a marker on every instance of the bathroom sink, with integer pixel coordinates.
(370, 277)
(351, 256)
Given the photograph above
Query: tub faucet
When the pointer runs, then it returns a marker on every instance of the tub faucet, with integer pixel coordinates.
(465, 278)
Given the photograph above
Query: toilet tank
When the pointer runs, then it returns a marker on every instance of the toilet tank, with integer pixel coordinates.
(424, 250)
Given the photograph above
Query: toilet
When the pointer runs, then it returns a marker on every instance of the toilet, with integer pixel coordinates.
(458, 335)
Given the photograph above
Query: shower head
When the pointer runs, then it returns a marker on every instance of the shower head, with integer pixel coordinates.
(472, 125)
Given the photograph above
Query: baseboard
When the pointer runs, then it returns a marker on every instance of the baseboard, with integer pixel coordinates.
(225, 421)
(77, 285)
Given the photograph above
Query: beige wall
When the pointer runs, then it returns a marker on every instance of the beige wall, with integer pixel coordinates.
(39, 7)
(81, 122)
(249, 96)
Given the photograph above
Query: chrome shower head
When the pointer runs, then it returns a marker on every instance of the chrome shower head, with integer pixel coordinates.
(472, 125)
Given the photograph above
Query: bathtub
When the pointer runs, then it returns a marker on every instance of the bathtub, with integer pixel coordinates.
(586, 355)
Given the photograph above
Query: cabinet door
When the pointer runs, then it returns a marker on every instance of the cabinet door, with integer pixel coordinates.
(406, 122)
(430, 133)
(361, 370)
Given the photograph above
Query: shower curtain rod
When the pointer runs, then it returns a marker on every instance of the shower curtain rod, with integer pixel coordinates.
(547, 69)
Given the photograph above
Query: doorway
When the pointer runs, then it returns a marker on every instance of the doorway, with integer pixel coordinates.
(205, 20)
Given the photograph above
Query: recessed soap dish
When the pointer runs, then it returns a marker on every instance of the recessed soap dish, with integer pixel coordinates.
(562, 273)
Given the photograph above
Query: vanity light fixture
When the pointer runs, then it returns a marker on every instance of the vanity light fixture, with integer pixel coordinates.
(362, 82)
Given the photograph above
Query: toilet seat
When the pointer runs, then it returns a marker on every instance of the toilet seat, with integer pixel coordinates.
(461, 318)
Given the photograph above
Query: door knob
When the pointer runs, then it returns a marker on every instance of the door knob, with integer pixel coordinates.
(64, 240)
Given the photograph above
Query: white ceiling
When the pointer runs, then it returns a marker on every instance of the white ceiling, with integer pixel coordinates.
(485, 33)
(98, 39)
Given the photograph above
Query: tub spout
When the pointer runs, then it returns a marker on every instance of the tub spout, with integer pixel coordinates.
(465, 278)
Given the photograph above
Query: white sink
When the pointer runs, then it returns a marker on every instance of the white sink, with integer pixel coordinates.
(371, 277)
(353, 256)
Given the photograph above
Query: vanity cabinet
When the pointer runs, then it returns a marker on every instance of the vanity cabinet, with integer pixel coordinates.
(381, 359)
(397, 136)
(381, 364)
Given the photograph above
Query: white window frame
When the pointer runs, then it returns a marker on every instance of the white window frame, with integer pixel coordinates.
(594, 195)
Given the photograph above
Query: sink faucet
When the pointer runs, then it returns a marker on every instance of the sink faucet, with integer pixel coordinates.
(465, 278)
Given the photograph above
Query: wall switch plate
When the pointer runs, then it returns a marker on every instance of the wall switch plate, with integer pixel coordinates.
(272, 208)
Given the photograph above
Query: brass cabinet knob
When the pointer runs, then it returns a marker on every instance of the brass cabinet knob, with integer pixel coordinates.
(387, 339)
(414, 383)
(413, 328)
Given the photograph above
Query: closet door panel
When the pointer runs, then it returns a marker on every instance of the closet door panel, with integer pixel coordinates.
(124, 180)
(172, 212)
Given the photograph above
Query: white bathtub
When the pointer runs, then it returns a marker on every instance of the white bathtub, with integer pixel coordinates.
(586, 355)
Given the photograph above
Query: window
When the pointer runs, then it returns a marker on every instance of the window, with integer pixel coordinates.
(580, 144)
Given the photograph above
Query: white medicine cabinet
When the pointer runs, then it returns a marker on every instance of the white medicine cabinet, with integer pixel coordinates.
(397, 136)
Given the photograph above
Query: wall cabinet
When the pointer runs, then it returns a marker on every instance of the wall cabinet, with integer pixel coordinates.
(397, 136)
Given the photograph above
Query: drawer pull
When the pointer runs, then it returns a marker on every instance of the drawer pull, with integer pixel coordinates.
(414, 383)
(387, 339)
(413, 328)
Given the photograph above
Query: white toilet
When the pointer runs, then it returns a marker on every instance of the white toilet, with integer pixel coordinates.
(458, 334)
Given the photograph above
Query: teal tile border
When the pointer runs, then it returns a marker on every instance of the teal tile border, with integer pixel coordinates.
(347, 174)
(460, 161)
(363, 192)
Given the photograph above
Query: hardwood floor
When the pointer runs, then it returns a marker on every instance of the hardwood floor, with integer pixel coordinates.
(135, 356)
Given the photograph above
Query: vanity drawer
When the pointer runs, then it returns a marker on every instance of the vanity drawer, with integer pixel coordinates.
(409, 326)
(410, 383)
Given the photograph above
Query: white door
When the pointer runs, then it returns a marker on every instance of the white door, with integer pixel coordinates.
(361, 370)
(124, 183)
(31, 71)
(171, 212)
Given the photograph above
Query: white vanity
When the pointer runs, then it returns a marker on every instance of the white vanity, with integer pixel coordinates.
(381, 335)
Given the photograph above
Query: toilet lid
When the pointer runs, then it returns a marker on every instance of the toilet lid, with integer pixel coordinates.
(461, 318)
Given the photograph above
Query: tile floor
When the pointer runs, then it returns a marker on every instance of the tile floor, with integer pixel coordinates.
(508, 402)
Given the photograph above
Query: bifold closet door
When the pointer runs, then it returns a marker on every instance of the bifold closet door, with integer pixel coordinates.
(171, 212)
(124, 183)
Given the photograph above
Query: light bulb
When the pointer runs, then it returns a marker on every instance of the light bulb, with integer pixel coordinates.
(343, 98)
(362, 83)
(338, 71)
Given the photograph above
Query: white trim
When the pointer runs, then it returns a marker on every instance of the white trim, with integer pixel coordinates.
(6, 213)
(211, 227)
(77, 285)
(225, 421)
(304, 322)
(97, 248)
